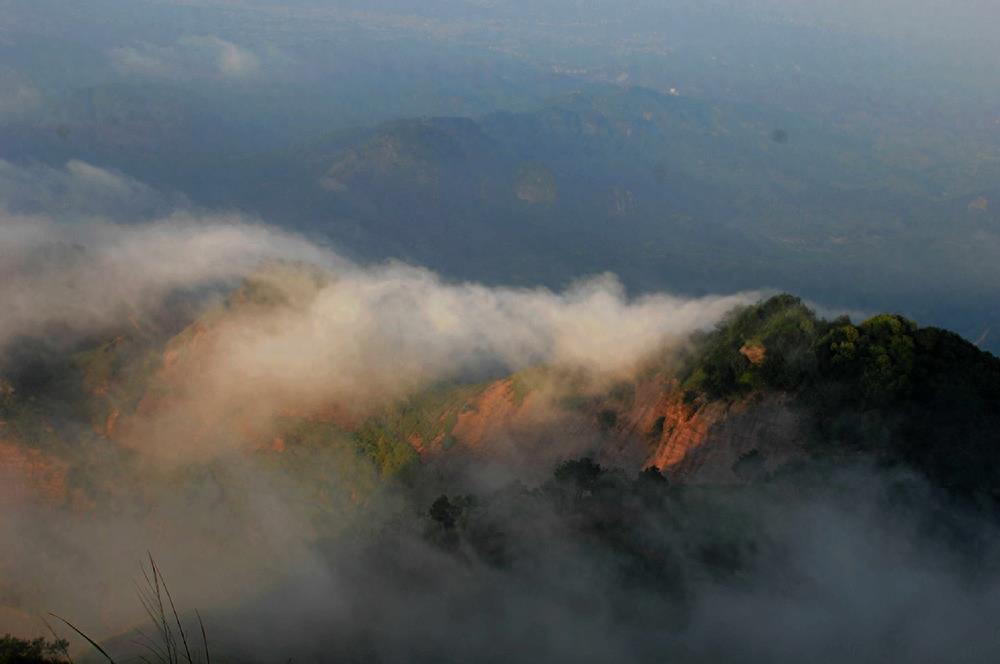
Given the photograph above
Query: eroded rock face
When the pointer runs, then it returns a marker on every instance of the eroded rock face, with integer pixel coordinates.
(530, 429)
(488, 416)
(756, 353)
(704, 441)
(669, 428)
(716, 442)
(705, 444)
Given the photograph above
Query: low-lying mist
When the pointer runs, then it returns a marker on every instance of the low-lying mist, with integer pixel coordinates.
(286, 327)
(313, 330)
(865, 566)
(286, 557)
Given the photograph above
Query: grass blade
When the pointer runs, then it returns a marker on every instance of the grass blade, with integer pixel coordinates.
(89, 640)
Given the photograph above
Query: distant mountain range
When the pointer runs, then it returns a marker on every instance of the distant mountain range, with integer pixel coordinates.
(668, 192)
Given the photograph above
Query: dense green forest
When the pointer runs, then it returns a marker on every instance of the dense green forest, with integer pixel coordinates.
(918, 396)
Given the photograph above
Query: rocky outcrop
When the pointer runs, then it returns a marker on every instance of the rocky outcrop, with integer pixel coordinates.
(489, 415)
(524, 427)
(706, 443)
(756, 353)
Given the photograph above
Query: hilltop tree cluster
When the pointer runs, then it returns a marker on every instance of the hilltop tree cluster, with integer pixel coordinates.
(918, 396)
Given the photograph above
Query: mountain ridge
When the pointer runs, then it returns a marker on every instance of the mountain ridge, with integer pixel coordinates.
(772, 383)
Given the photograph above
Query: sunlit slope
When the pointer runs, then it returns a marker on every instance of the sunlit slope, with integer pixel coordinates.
(771, 387)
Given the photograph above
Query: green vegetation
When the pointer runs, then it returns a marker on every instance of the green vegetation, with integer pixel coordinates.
(918, 396)
(427, 418)
(26, 419)
(115, 376)
(332, 469)
(35, 651)
(639, 527)
(390, 454)
(786, 330)
(879, 354)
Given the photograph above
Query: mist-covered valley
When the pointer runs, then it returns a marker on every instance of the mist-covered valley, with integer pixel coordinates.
(473, 331)
(333, 461)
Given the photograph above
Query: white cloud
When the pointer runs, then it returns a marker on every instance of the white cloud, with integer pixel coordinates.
(205, 56)
(343, 336)
(85, 275)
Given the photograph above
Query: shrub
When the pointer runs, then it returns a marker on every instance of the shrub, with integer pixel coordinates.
(34, 651)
